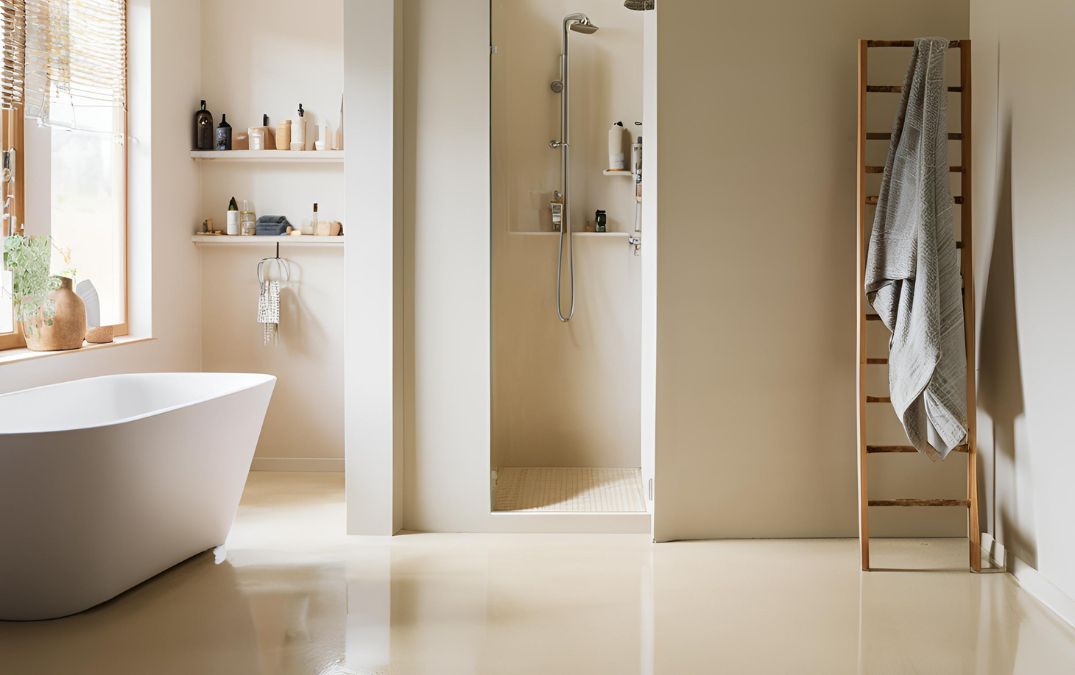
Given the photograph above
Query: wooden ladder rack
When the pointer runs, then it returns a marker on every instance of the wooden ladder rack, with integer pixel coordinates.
(865, 225)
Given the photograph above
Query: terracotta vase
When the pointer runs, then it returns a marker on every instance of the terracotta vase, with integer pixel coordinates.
(68, 329)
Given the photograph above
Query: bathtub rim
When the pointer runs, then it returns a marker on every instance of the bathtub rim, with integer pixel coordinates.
(245, 382)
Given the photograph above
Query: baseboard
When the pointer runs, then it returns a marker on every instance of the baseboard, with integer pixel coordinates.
(994, 551)
(1031, 580)
(298, 464)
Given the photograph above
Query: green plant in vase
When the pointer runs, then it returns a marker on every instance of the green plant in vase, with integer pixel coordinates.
(28, 260)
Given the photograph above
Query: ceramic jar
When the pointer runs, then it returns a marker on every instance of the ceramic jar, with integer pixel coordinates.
(68, 329)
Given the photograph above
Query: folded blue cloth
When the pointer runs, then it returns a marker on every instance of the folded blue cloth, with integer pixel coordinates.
(272, 226)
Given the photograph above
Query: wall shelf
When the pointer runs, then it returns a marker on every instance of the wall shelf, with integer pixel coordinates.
(318, 156)
(618, 172)
(224, 240)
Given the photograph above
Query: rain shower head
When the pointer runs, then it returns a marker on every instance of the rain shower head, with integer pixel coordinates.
(580, 23)
(639, 5)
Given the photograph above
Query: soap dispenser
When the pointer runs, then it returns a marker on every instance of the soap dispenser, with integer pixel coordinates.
(203, 129)
(223, 134)
(298, 130)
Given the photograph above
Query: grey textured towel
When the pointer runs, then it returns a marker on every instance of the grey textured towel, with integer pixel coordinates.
(912, 267)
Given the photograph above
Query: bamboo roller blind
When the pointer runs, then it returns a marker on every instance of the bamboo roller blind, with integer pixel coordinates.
(63, 51)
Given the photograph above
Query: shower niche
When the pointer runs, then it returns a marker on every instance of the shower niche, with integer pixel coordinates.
(566, 299)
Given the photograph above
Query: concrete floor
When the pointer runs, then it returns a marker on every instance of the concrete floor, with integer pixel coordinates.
(297, 596)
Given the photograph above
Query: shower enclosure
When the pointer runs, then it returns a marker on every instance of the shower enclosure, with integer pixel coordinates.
(566, 300)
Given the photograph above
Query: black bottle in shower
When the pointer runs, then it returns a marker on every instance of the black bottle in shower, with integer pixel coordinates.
(223, 134)
(203, 129)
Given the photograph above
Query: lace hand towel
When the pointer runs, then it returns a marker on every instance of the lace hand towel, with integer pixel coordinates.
(269, 311)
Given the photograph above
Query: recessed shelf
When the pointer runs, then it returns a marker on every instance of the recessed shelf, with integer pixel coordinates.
(618, 172)
(224, 240)
(320, 156)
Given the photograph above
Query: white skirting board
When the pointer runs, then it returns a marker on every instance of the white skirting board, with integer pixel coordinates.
(1031, 580)
(298, 464)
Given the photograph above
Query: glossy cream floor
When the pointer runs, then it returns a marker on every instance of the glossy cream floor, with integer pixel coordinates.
(296, 596)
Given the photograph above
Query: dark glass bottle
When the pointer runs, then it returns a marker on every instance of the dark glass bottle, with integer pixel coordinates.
(203, 129)
(223, 134)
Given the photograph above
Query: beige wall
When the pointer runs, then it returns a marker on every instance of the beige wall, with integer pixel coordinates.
(252, 63)
(756, 296)
(563, 395)
(1024, 145)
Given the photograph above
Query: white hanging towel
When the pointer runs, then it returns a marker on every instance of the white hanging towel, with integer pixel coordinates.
(269, 311)
(912, 266)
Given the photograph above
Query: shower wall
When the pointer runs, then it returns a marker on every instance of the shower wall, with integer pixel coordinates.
(563, 394)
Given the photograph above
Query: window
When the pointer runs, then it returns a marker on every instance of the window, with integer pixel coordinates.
(63, 93)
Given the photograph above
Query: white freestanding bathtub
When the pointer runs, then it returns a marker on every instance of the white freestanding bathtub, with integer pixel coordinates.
(106, 482)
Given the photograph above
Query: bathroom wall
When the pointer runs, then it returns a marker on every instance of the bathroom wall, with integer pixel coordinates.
(755, 428)
(260, 56)
(563, 394)
(1024, 246)
(165, 281)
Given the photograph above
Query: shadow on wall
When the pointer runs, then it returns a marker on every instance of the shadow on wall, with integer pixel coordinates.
(1000, 388)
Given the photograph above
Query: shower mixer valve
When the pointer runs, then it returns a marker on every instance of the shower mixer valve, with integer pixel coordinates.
(557, 208)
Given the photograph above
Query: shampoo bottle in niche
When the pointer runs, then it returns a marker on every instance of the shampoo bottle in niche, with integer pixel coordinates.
(203, 129)
(223, 134)
(233, 218)
(298, 130)
(617, 160)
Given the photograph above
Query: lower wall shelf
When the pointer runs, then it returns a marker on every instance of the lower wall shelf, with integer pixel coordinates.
(224, 240)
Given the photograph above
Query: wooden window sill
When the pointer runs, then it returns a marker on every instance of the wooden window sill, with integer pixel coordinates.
(23, 354)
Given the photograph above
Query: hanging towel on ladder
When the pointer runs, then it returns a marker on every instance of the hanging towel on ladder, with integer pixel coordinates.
(912, 266)
(269, 311)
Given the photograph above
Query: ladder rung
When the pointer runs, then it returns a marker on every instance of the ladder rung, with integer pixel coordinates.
(877, 362)
(965, 503)
(881, 169)
(878, 449)
(897, 88)
(879, 399)
(872, 200)
(887, 136)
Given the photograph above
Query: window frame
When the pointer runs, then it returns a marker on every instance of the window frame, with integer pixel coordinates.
(12, 128)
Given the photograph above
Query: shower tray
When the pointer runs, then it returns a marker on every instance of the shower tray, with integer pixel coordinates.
(569, 490)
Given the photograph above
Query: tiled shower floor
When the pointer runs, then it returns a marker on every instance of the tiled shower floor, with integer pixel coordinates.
(576, 490)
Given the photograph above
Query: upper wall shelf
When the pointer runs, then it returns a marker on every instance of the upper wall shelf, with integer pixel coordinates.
(618, 172)
(322, 156)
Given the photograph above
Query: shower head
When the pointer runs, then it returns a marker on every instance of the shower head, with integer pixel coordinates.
(639, 5)
(580, 23)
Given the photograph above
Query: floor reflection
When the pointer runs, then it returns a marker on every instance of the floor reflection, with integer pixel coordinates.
(296, 596)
